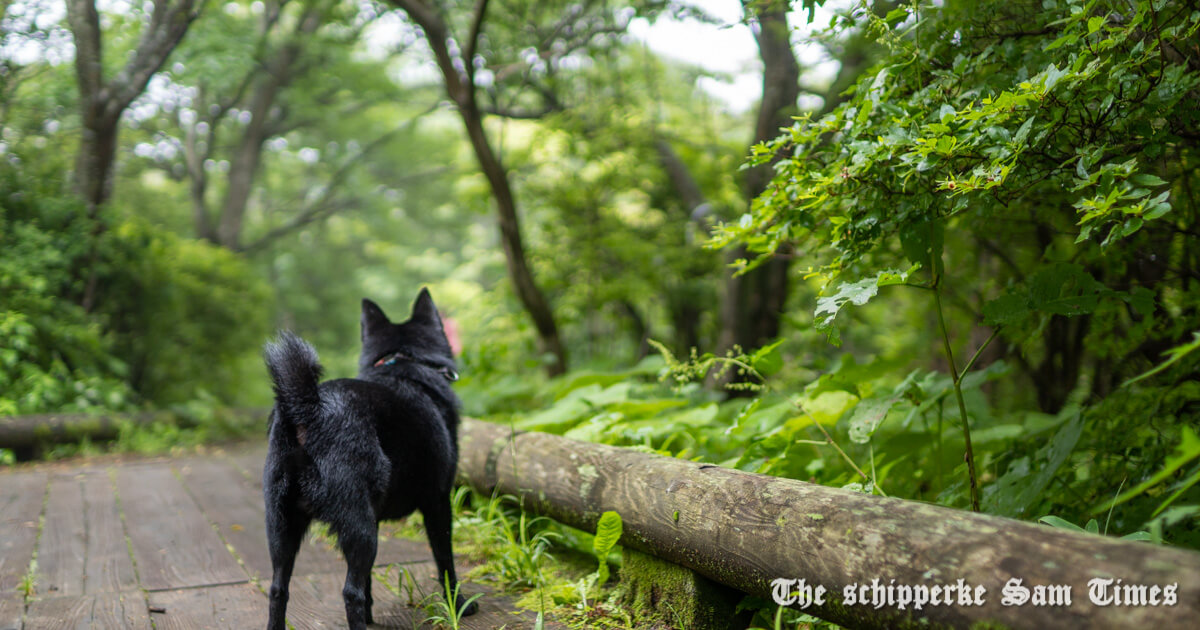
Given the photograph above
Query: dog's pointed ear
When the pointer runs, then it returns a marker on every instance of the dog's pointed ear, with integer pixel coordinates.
(372, 317)
(424, 310)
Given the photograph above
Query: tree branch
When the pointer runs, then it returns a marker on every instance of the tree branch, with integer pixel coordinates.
(473, 37)
(85, 29)
(520, 114)
(681, 177)
(325, 204)
(436, 34)
(168, 23)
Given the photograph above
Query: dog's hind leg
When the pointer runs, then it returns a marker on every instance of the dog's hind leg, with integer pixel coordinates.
(285, 532)
(358, 538)
(370, 600)
(437, 524)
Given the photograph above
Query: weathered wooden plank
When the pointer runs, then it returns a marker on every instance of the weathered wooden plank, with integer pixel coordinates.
(12, 608)
(60, 613)
(390, 550)
(229, 607)
(108, 568)
(745, 530)
(401, 551)
(117, 611)
(227, 501)
(235, 506)
(126, 611)
(250, 463)
(62, 548)
(21, 497)
(173, 544)
(316, 603)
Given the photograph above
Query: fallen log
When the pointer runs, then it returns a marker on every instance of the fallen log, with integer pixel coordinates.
(746, 530)
(22, 433)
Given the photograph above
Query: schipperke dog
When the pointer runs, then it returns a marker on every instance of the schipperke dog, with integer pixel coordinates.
(352, 452)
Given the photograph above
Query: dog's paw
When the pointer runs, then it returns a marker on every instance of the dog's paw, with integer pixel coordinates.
(467, 609)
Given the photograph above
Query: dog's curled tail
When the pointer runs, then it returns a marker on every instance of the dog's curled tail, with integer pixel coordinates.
(295, 372)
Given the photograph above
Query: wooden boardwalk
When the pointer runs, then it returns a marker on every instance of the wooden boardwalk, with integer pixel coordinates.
(178, 543)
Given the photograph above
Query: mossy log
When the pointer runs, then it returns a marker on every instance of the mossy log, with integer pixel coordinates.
(679, 595)
(745, 530)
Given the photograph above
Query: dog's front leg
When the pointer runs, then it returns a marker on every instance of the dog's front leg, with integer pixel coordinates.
(359, 546)
(437, 525)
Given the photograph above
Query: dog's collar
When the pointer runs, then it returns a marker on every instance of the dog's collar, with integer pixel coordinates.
(395, 357)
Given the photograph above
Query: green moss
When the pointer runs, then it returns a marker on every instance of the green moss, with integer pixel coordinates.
(684, 598)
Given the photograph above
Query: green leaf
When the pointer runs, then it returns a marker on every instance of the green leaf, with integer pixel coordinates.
(864, 113)
(1017, 491)
(1146, 179)
(1064, 289)
(1059, 523)
(867, 417)
(923, 243)
(946, 113)
(1006, 309)
(768, 360)
(1174, 355)
(1059, 289)
(1023, 132)
(608, 532)
(1069, 38)
(856, 293)
(1188, 450)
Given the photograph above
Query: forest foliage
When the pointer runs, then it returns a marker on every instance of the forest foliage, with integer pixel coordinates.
(985, 224)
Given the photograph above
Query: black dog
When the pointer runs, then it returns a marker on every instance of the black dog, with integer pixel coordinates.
(352, 452)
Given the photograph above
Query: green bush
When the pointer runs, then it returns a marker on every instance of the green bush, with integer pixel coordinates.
(188, 317)
(53, 355)
(176, 320)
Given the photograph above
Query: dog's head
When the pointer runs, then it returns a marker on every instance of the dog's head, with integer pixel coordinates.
(421, 339)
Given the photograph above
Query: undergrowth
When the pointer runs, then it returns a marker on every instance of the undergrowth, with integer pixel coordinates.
(1130, 459)
(549, 569)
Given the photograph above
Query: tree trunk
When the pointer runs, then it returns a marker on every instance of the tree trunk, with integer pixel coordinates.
(103, 101)
(246, 161)
(641, 332)
(746, 530)
(754, 301)
(194, 160)
(1058, 373)
(688, 298)
(460, 86)
(510, 235)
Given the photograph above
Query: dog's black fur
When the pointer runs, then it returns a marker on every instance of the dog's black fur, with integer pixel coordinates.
(353, 452)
